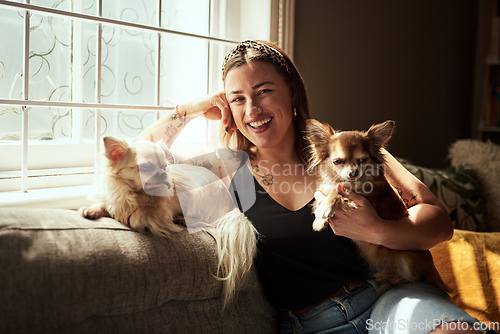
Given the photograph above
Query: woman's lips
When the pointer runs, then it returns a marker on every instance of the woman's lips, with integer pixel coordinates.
(260, 125)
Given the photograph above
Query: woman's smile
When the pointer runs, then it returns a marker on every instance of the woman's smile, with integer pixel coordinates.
(260, 124)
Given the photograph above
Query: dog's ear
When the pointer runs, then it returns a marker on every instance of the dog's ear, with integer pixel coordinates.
(115, 149)
(379, 134)
(319, 135)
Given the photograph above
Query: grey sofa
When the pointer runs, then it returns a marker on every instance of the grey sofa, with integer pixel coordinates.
(61, 273)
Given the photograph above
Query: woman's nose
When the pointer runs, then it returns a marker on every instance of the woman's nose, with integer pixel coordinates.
(253, 110)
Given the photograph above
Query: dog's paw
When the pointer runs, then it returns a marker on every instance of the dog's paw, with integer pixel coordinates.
(94, 211)
(319, 224)
(139, 220)
(146, 219)
(324, 212)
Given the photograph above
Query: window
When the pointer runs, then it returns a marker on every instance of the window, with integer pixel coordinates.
(109, 67)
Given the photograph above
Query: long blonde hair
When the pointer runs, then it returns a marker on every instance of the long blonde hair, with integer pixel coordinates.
(249, 51)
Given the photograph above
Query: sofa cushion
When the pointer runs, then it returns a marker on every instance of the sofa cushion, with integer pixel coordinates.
(60, 272)
(470, 264)
(484, 157)
(458, 190)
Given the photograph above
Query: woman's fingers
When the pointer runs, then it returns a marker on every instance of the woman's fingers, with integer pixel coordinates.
(217, 108)
(226, 115)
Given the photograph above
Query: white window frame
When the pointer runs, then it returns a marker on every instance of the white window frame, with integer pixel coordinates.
(67, 187)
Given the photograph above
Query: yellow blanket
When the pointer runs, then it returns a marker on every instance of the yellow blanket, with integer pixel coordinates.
(470, 264)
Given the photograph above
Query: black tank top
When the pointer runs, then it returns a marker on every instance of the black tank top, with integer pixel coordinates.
(298, 267)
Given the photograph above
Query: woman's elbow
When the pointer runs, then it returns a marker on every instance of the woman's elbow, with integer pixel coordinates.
(449, 230)
(446, 227)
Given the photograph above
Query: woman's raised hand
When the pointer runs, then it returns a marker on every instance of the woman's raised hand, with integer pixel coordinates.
(214, 107)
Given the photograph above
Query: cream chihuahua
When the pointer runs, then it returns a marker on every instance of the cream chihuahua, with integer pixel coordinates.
(142, 189)
(354, 160)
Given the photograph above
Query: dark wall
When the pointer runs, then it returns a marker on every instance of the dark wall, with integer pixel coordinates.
(366, 61)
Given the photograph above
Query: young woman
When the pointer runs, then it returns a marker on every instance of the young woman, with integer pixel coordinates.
(316, 280)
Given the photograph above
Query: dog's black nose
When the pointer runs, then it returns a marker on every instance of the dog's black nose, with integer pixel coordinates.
(354, 173)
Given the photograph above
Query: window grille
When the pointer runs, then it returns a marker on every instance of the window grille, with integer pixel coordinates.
(107, 67)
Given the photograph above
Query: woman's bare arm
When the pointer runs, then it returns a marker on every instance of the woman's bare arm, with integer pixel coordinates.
(222, 163)
(168, 127)
(427, 217)
(212, 107)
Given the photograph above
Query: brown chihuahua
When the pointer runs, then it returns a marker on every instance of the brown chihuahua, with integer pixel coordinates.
(354, 160)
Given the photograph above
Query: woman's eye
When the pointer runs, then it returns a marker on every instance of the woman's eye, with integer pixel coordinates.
(363, 160)
(338, 161)
(237, 99)
(263, 91)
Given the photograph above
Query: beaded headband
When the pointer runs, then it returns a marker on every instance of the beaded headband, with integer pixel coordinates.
(265, 52)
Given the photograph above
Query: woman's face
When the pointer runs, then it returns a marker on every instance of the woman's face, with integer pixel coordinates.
(261, 104)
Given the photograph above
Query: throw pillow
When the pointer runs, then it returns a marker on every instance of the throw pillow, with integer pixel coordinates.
(458, 190)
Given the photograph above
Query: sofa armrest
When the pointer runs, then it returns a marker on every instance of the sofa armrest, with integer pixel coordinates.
(58, 270)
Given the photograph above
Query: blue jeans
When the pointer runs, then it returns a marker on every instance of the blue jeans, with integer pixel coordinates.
(343, 314)
(416, 309)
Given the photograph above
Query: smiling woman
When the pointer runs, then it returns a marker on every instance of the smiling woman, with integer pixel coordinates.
(317, 281)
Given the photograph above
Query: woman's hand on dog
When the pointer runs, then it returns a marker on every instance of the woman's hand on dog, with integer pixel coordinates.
(358, 224)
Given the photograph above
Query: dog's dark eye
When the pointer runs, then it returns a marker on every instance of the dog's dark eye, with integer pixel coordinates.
(338, 161)
(362, 160)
